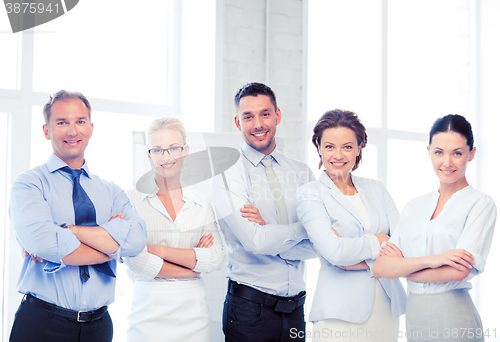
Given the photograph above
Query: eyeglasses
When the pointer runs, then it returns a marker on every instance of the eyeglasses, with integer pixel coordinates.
(176, 150)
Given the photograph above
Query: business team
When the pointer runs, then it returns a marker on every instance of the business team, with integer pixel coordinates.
(273, 216)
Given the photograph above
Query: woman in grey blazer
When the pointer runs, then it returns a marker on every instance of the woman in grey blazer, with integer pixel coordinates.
(347, 218)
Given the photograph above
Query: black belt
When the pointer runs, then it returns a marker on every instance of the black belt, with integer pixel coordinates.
(72, 315)
(278, 303)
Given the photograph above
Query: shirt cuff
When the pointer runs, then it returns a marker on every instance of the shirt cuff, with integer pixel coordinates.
(202, 259)
(152, 267)
(370, 263)
(375, 245)
(52, 267)
(479, 261)
(67, 243)
(118, 229)
(117, 255)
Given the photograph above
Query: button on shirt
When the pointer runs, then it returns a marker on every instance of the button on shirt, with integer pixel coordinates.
(41, 200)
(268, 258)
(467, 221)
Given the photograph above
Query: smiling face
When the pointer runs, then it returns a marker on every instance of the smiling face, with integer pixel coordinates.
(257, 120)
(167, 166)
(69, 129)
(338, 150)
(450, 154)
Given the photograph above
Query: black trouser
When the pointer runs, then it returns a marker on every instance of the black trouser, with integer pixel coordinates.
(36, 324)
(245, 320)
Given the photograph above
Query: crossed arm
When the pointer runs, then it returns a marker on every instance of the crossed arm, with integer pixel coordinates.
(95, 244)
(179, 262)
(452, 265)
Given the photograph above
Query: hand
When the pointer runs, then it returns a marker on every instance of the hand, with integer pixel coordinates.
(459, 259)
(359, 266)
(33, 258)
(335, 232)
(120, 215)
(206, 241)
(252, 214)
(382, 238)
(390, 250)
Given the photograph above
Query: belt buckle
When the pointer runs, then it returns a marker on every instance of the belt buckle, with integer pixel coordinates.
(78, 317)
(285, 306)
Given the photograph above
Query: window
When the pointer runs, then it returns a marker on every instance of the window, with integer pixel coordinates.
(400, 65)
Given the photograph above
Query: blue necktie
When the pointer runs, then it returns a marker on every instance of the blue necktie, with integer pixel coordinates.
(85, 216)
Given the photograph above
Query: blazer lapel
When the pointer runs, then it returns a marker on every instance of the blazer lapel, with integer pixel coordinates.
(339, 197)
(365, 190)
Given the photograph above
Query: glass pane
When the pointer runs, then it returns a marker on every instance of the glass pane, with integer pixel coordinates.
(409, 170)
(369, 163)
(4, 133)
(9, 56)
(345, 58)
(430, 69)
(107, 49)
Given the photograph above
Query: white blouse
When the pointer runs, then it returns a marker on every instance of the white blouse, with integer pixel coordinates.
(360, 208)
(195, 219)
(467, 221)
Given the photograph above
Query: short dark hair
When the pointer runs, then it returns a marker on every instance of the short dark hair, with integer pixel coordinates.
(341, 118)
(254, 89)
(455, 123)
(64, 95)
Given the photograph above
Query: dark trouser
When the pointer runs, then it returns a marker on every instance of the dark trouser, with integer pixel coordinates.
(36, 324)
(244, 320)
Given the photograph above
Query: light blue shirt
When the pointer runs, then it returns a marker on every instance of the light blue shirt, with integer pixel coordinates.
(41, 200)
(270, 257)
(341, 294)
(467, 221)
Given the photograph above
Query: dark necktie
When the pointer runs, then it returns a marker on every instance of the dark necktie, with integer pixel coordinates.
(85, 216)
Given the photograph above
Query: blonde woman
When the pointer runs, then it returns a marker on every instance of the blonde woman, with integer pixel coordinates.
(169, 302)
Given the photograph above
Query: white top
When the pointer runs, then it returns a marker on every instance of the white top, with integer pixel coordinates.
(360, 208)
(195, 219)
(466, 222)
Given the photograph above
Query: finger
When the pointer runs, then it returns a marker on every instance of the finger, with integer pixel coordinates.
(33, 258)
(256, 220)
(39, 259)
(250, 211)
(25, 254)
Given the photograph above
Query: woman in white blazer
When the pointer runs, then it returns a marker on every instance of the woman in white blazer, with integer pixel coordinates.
(347, 218)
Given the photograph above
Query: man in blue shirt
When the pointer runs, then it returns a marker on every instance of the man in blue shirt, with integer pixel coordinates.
(65, 299)
(265, 241)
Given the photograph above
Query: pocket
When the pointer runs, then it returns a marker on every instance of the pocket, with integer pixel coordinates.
(242, 311)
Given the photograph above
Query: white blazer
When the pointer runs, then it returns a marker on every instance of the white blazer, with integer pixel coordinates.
(340, 294)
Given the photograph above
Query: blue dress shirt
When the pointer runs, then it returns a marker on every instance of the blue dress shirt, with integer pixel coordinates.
(270, 257)
(341, 294)
(41, 200)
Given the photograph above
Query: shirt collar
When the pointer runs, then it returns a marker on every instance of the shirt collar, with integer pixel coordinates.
(146, 185)
(255, 156)
(55, 163)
